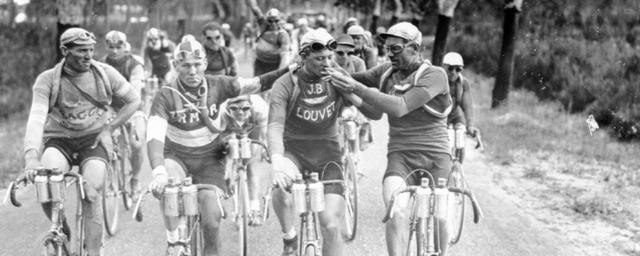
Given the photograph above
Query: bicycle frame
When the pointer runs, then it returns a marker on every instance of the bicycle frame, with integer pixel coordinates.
(55, 236)
(423, 218)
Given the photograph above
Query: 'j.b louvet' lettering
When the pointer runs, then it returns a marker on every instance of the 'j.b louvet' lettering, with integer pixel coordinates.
(316, 115)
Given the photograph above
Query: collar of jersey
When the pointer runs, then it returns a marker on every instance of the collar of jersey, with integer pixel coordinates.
(194, 94)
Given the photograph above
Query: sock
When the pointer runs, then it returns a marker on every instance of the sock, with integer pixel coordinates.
(289, 235)
(172, 236)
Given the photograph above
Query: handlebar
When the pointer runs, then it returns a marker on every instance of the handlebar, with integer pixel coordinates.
(198, 186)
(23, 181)
(477, 211)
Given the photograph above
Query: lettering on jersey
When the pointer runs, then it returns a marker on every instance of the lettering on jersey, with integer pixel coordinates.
(316, 115)
(188, 115)
(72, 116)
(315, 94)
(315, 89)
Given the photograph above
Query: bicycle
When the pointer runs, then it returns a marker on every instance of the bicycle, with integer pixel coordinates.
(308, 201)
(116, 184)
(181, 200)
(152, 84)
(239, 151)
(349, 133)
(51, 187)
(456, 179)
(427, 203)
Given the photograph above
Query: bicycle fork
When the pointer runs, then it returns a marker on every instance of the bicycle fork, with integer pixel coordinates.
(310, 230)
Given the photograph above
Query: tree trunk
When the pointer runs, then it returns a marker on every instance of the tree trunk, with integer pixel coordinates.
(504, 78)
(440, 43)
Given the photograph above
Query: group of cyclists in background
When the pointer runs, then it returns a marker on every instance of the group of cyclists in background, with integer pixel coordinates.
(305, 79)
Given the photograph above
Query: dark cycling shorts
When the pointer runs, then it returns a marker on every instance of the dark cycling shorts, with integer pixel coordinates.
(203, 169)
(313, 155)
(401, 163)
(261, 67)
(78, 150)
(456, 116)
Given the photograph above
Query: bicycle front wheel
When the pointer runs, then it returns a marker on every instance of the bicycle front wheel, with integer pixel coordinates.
(421, 237)
(456, 204)
(123, 169)
(243, 205)
(351, 199)
(110, 206)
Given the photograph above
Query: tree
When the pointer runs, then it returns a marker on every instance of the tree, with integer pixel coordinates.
(445, 14)
(504, 78)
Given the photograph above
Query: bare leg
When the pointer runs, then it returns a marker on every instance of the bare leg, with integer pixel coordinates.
(331, 222)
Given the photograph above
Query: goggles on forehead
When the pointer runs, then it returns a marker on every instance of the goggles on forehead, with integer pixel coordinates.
(115, 42)
(184, 54)
(331, 45)
(86, 35)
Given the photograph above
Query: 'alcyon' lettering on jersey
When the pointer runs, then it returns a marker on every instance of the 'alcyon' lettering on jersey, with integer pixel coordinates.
(188, 115)
(316, 115)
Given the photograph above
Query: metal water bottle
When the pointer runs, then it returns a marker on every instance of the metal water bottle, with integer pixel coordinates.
(41, 181)
(442, 198)
(170, 198)
(234, 147)
(316, 194)
(245, 147)
(352, 131)
(56, 186)
(423, 195)
(299, 196)
(189, 197)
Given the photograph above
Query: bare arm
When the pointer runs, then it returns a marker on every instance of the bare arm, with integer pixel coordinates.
(37, 119)
(467, 104)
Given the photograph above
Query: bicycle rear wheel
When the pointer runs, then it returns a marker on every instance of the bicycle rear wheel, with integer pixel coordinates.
(456, 203)
(242, 193)
(110, 206)
(351, 199)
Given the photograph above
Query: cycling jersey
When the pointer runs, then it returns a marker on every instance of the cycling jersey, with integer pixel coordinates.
(418, 129)
(160, 63)
(271, 43)
(219, 62)
(71, 114)
(131, 69)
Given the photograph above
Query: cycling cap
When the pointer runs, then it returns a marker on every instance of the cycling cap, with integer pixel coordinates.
(225, 26)
(188, 37)
(273, 13)
(77, 36)
(355, 30)
(153, 33)
(317, 37)
(352, 20)
(346, 41)
(239, 99)
(116, 37)
(452, 59)
(211, 26)
(189, 49)
(404, 30)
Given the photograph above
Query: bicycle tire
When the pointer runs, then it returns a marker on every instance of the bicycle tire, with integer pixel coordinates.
(79, 239)
(197, 247)
(243, 206)
(351, 199)
(124, 170)
(456, 203)
(110, 205)
(311, 250)
(421, 236)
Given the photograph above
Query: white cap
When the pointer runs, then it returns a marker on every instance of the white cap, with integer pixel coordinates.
(315, 36)
(116, 37)
(302, 21)
(404, 30)
(355, 30)
(452, 59)
(225, 26)
(273, 13)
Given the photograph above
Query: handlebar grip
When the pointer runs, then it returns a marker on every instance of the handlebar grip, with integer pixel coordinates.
(477, 211)
(138, 203)
(11, 194)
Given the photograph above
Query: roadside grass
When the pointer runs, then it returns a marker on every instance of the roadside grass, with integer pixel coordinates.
(12, 129)
(549, 154)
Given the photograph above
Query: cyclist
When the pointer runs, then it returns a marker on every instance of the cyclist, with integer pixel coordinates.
(248, 114)
(417, 111)
(460, 92)
(157, 52)
(221, 60)
(226, 34)
(272, 45)
(133, 71)
(362, 50)
(70, 113)
(184, 128)
(249, 36)
(303, 28)
(303, 135)
(353, 64)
